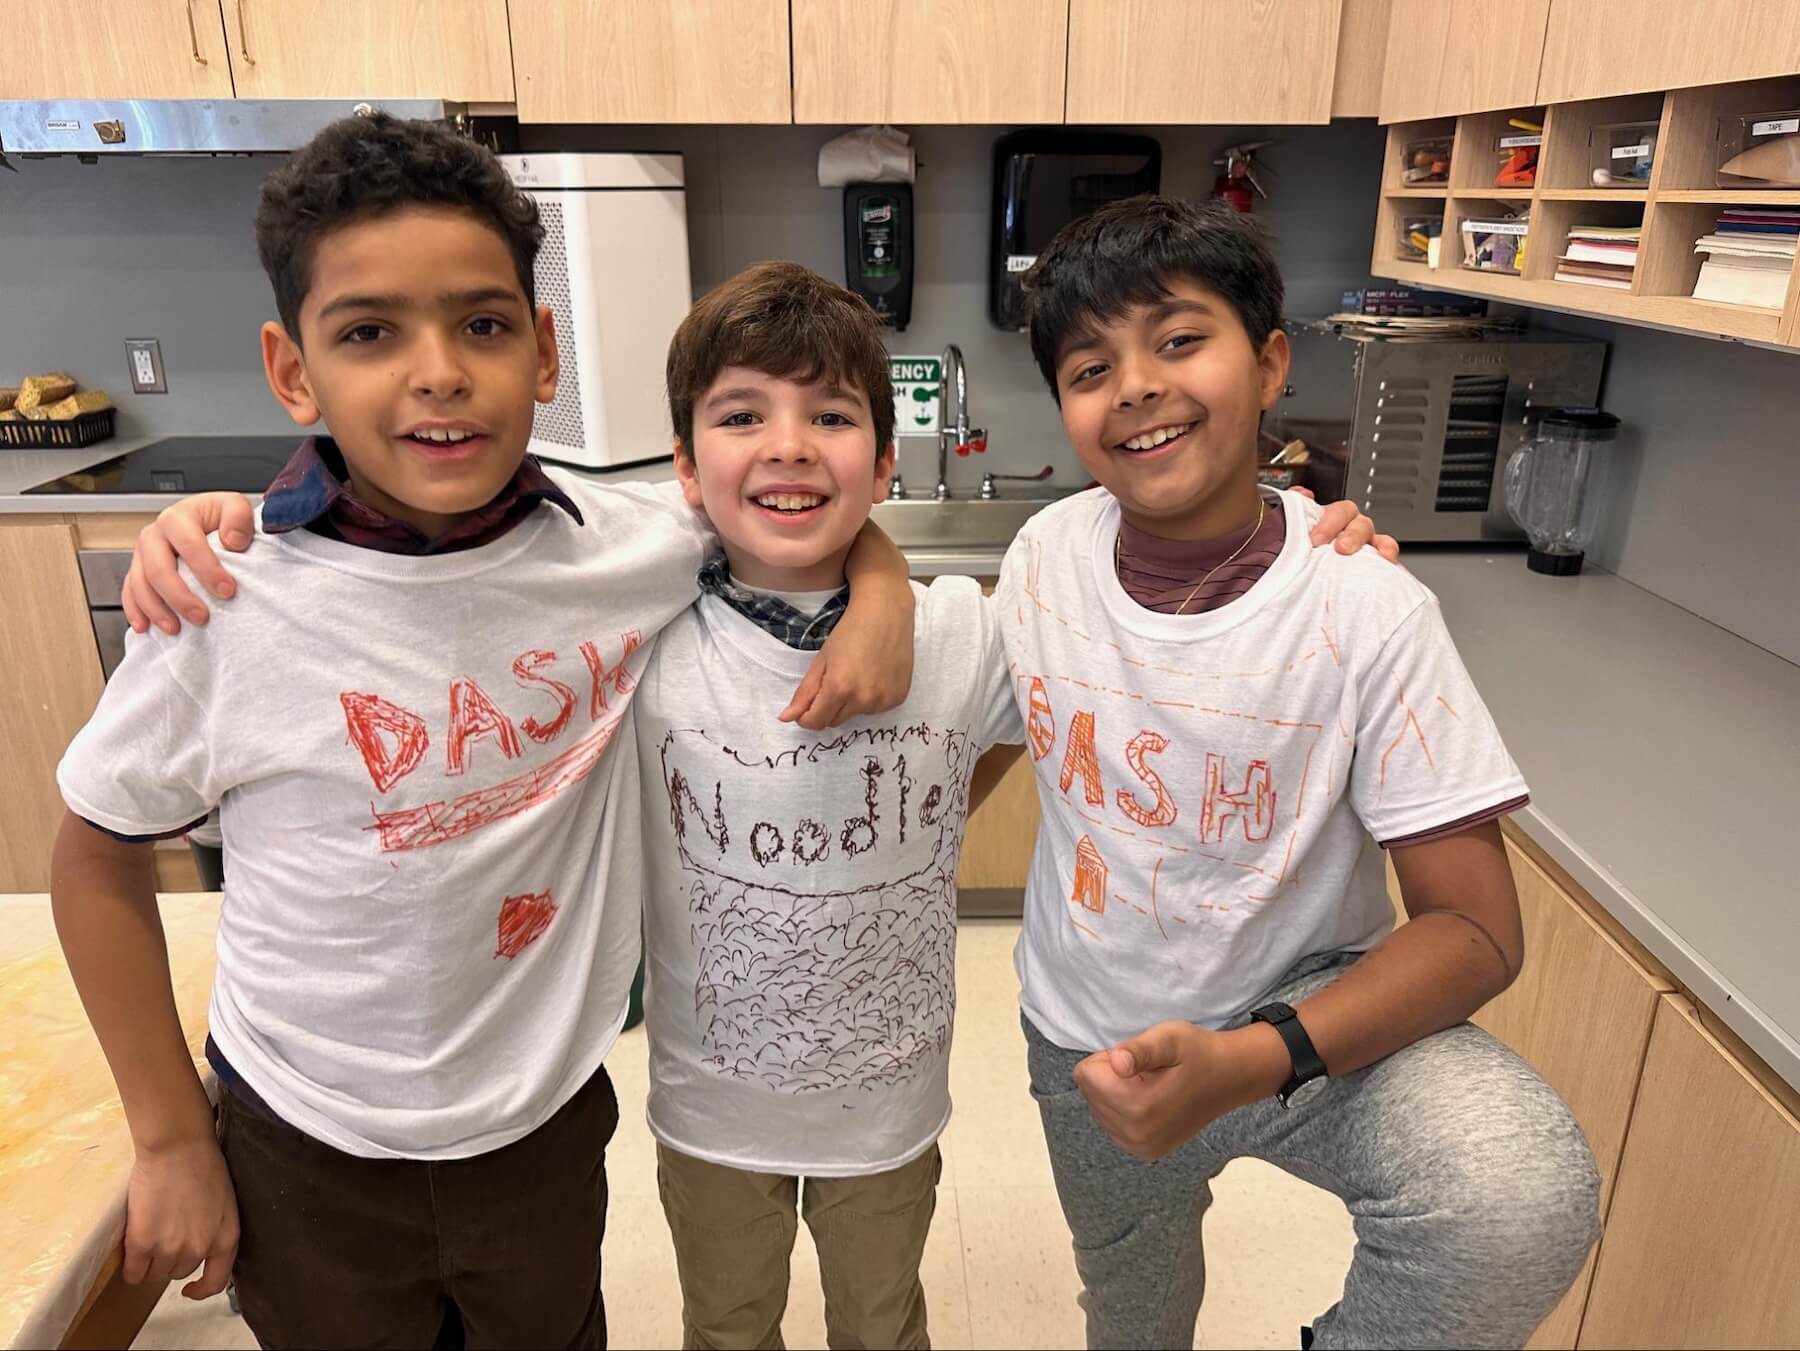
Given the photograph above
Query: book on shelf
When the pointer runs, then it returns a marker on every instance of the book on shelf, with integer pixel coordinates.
(1749, 246)
(1581, 279)
(1765, 288)
(1582, 267)
(1588, 251)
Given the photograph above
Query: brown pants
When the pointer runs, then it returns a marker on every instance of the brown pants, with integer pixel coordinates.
(734, 1233)
(502, 1249)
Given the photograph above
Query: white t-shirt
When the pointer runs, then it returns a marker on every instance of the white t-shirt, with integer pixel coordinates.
(432, 831)
(1210, 782)
(801, 907)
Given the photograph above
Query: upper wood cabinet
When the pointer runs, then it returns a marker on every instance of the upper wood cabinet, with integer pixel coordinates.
(651, 60)
(929, 60)
(1446, 57)
(1361, 57)
(309, 49)
(100, 49)
(1199, 61)
(1703, 1238)
(1598, 47)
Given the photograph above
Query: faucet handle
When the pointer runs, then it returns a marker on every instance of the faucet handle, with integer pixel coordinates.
(976, 443)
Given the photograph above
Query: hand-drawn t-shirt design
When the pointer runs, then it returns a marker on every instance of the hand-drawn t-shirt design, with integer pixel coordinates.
(1210, 782)
(801, 915)
(432, 826)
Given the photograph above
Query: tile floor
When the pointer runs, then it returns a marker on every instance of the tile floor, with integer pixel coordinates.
(998, 1269)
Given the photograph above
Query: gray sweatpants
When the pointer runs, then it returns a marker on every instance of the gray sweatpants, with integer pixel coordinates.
(1473, 1194)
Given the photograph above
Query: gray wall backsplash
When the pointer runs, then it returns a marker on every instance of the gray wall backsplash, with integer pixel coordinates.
(1703, 509)
(93, 254)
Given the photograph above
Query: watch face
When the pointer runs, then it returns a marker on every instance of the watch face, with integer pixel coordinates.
(1307, 1092)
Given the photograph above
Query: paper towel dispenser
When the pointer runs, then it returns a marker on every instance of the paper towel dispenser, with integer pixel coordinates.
(1045, 177)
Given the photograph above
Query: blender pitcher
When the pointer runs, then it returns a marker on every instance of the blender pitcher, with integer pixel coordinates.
(1555, 486)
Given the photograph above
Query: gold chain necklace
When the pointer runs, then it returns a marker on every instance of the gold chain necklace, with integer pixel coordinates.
(1262, 506)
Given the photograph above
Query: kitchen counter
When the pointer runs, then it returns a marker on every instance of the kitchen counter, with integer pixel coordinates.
(64, 1150)
(1663, 755)
(22, 469)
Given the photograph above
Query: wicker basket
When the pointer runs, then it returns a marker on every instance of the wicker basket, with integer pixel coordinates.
(68, 434)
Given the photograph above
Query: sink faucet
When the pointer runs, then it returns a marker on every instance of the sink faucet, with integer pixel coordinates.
(954, 431)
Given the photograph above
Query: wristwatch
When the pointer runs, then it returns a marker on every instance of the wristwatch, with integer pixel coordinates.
(1308, 1068)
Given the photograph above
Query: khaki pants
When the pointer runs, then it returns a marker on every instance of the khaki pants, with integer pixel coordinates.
(734, 1232)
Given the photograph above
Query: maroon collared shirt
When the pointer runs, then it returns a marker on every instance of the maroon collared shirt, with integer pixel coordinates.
(312, 490)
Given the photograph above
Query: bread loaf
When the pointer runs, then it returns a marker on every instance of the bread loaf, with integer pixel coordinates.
(86, 401)
(36, 390)
(8, 397)
(37, 414)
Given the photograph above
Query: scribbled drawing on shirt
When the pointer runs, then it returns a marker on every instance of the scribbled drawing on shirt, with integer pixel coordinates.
(821, 969)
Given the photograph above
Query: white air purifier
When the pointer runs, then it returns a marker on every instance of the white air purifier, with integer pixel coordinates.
(614, 270)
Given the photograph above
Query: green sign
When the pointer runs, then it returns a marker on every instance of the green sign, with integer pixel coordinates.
(917, 382)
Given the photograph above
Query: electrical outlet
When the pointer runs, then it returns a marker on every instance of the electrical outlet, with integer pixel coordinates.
(145, 356)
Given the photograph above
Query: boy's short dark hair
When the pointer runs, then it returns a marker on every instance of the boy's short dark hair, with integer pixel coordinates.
(362, 167)
(786, 321)
(1128, 252)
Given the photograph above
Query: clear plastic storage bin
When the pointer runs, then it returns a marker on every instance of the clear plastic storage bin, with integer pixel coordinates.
(1419, 239)
(1494, 246)
(1517, 153)
(1759, 150)
(1425, 162)
(1620, 154)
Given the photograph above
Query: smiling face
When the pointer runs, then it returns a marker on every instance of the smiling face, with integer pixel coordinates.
(1163, 405)
(787, 471)
(423, 356)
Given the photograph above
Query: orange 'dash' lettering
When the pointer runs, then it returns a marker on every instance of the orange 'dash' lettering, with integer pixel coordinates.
(1252, 806)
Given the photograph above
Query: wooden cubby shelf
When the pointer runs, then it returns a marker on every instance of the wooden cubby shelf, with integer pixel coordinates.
(1679, 204)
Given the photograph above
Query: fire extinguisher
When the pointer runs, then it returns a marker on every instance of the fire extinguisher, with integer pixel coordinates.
(1238, 185)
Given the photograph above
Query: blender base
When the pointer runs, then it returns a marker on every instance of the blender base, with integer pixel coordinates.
(1553, 565)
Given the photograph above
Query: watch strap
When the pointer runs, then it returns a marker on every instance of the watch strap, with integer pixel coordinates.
(1302, 1055)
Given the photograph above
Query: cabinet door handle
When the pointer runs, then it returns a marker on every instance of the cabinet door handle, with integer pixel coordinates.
(244, 36)
(193, 32)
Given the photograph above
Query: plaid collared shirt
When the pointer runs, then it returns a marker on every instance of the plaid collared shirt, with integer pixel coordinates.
(771, 614)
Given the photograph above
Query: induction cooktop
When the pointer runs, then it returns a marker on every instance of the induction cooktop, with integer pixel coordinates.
(182, 465)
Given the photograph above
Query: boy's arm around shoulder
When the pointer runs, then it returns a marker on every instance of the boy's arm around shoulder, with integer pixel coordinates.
(155, 592)
(866, 665)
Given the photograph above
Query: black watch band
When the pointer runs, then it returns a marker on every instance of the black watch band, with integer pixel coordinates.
(1305, 1059)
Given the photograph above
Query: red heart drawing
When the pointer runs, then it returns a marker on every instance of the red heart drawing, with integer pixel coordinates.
(523, 920)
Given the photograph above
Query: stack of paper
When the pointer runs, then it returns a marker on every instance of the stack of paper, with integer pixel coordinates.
(1600, 255)
(1749, 256)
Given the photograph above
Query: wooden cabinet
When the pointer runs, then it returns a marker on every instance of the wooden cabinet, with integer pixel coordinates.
(1593, 48)
(1225, 61)
(101, 49)
(52, 682)
(308, 49)
(1361, 56)
(1703, 1239)
(651, 60)
(1580, 1012)
(1462, 57)
(929, 60)
(1001, 832)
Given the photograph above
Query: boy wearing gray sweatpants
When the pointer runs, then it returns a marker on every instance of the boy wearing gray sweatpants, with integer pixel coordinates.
(1222, 720)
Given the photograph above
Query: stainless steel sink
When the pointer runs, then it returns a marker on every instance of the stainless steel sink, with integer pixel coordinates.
(960, 525)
